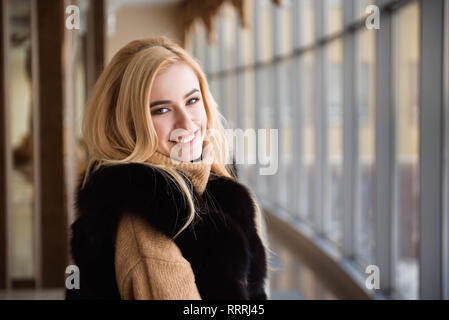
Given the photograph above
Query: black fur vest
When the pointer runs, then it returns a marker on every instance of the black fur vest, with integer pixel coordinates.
(221, 244)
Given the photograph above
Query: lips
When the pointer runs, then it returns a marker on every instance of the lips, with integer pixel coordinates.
(186, 139)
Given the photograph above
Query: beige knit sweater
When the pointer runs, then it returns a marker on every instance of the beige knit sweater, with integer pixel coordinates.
(148, 264)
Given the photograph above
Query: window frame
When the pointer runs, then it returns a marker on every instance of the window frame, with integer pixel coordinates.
(384, 151)
(431, 150)
(445, 223)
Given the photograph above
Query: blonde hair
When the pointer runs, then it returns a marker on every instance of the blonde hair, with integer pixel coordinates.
(117, 126)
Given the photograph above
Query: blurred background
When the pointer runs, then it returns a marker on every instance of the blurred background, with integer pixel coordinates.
(362, 116)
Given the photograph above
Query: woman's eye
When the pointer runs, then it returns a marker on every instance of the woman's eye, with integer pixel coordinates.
(193, 99)
(159, 111)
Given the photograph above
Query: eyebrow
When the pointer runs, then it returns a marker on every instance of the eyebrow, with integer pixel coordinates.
(155, 103)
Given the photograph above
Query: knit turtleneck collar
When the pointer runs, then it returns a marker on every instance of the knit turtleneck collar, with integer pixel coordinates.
(198, 171)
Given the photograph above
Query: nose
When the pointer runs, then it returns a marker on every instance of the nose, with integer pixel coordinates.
(184, 120)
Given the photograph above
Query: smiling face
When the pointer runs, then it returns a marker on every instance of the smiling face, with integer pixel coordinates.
(177, 112)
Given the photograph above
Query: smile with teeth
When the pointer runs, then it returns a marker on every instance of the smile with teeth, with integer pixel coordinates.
(185, 139)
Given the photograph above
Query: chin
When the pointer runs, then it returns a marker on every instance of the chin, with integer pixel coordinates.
(188, 154)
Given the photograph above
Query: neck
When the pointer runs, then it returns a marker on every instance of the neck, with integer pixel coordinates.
(197, 170)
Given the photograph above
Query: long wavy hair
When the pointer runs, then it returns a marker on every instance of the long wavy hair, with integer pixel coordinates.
(117, 125)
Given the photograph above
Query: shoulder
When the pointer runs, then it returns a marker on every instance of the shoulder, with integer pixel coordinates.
(126, 187)
(140, 189)
(123, 181)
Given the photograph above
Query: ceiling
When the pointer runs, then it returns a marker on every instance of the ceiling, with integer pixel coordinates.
(19, 12)
(121, 3)
(158, 2)
(114, 5)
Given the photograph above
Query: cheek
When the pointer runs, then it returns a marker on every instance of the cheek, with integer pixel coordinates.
(161, 128)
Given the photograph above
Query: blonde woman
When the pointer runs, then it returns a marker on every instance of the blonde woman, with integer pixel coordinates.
(161, 214)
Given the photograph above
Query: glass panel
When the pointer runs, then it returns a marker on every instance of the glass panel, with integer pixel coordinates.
(334, 103)
(268, 184)
(212, 51)
(247, 36)
(201, 40)
(307, 22)
(21, 141)
(285, 26)
(266, 39)
(229, 20)
(307, 101)
(333, 16)
(365, 103)
(80, 67)
(76, 93)
(249, 124)
(360, 7)
(286, 138)
(406, 70)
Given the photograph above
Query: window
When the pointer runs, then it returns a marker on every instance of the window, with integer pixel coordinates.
(333, 16)
(294, 81)
(307, 101)
(249, 123)
(285, 26)
(286, 138)
(360, 7)
(199, 41)
(265, 8)
(229, 21)
(307, 22)
(265, 96)
(365, 174)
(282, 106)
(267, 123)
(247, 36)
(212, 55)
(334, 107)
(406, 32)
(21, 119)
